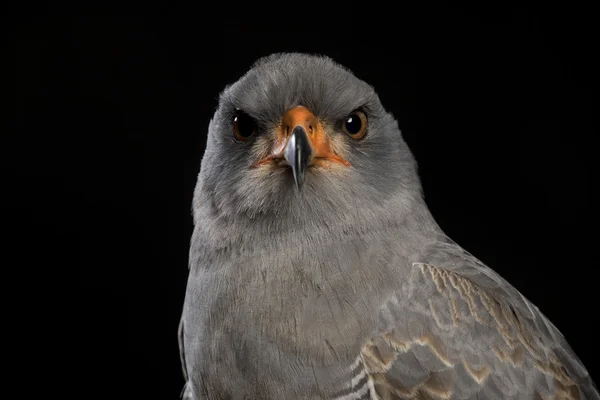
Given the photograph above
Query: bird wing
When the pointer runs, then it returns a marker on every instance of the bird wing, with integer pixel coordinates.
(461, 332)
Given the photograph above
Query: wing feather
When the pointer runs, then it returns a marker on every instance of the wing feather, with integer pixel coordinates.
(457, 330)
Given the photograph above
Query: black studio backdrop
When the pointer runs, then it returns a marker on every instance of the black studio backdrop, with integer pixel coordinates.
(497, 106)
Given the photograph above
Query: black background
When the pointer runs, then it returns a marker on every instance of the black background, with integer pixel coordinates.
(496, 104)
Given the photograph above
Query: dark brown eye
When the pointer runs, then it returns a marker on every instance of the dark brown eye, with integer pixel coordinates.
(243, 126)
(355, 124)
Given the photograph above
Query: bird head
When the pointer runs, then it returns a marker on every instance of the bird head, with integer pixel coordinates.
(300, 137)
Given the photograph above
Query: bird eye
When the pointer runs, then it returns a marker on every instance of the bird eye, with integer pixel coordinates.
(355, 125)
(243, 126)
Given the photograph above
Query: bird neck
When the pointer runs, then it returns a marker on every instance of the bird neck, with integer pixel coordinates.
(407, 221)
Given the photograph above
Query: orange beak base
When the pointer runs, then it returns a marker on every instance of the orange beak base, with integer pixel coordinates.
(302, 141)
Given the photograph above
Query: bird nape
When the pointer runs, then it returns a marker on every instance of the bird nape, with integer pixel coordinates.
(316, 270)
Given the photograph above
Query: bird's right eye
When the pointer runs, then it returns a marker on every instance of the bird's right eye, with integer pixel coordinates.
(244, 126)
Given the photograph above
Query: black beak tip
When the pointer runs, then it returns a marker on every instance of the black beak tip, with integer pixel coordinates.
(299, 179)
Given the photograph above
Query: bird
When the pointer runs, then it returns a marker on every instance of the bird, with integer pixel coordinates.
(317, 271)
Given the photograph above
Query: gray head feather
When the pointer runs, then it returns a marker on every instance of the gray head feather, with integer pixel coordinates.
(381, 183)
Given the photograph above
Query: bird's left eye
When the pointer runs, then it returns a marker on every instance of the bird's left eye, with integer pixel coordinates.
(355, 125)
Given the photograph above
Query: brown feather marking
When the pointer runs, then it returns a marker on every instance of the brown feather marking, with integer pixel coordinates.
(499, 353)
(453, 309)
(372, 359)
(514, 357)
(516, 339)
(565, 392)
(388, 391)
(399, 345)
(493, 307)
(435, 387)
(381, 352)
(436, 275)
(538, 396)
(445, 278)
(556, 370)
(457, 283)
(424, 267)
(517, 356)
(435, 314)
(436, 346)
(531, 347)
(560, 371)
(469, 289)
(479, 375)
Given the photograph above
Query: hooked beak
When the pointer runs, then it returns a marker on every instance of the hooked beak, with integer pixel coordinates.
(302, 142)
(298, 153)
